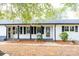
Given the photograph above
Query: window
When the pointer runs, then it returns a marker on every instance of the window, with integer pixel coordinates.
(76, 28)
(34, 30)
(38, 29)
(42, 29)
(47, 31)
(66, 28)
(28, 29)
(14, 30)
(24, 30)
(9, 29)
(71, 28)
(20, 30)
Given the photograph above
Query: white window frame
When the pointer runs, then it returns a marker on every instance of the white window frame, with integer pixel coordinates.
(69, 29)
(66, 28)
(72, 28)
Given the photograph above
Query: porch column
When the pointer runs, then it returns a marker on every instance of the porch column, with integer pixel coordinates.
(30, 33)
(6, 33)
(18, 32)
(55, 32)
(41, 32)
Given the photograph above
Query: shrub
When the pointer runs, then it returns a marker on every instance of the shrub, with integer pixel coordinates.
(64, 36)
(39, 36)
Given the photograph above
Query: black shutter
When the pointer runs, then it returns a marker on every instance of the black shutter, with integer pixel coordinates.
(13, 30)
(34, 30)
(24, 30)
(31, 29)
(42, 31)
(62, 28)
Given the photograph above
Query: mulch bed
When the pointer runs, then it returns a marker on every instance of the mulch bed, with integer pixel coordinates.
(41, 42)
(27, 41)
(61, 42)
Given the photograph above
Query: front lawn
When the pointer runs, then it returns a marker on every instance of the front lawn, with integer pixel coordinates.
(42, 49)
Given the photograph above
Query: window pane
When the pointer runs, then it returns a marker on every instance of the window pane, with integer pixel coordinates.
(13, 30)
(42, 29)
(9, 29)
(20, 30)
(76, 28)
(34, 30)
(28, 29)
(72, 28)
(66, 28)
(38, 29)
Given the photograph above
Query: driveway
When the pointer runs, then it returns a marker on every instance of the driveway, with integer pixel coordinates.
(44, 49)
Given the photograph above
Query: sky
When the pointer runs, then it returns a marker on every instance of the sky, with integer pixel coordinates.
(57, 5)
(68, 13)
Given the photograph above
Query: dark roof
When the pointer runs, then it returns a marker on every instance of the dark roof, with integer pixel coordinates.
(63, 21)
(66, 21)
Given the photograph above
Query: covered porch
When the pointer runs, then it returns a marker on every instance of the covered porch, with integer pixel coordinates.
(30, 32)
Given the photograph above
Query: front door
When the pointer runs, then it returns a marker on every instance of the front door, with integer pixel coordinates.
(9, 34)
(47, 31)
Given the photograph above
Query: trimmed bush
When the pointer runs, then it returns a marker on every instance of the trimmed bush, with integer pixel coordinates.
(64, 36)
(39, 36)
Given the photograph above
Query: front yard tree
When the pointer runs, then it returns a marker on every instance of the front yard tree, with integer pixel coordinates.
(28, 11)
(34, 10)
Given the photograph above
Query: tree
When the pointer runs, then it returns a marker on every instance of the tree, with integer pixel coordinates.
(27, 11)
(30, 10)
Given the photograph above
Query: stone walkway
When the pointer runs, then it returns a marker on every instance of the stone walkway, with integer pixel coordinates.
(46, 49)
